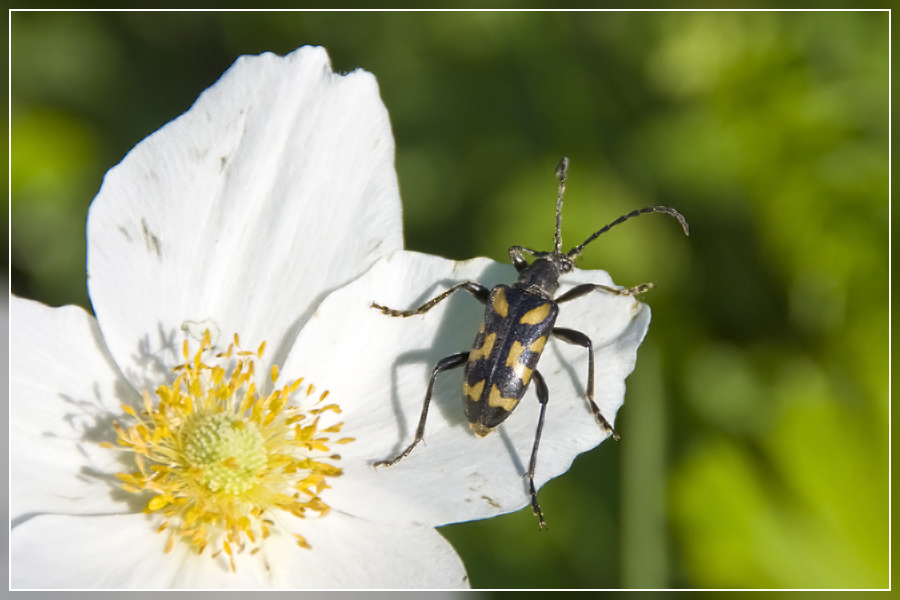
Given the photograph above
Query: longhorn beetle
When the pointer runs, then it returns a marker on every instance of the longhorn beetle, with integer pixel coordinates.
(517, 321)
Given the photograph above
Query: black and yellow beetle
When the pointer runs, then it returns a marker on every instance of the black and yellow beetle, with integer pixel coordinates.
(518, 319)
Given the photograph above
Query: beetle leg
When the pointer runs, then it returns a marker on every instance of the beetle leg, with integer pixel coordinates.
(480, 292)
(586, 288)
(515, 255)
(445, 364)
(579, 339)
(543, 395)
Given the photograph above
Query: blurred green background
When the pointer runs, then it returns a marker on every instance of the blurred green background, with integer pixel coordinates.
(754, 446)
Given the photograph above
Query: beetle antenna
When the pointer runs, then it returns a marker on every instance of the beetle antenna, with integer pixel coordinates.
(574, 252)
(561, 169)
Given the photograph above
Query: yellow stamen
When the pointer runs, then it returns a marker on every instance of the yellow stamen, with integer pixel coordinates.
(219, 459)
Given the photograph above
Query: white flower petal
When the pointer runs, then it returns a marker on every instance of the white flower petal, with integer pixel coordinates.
(65, 393)
(62, 551)
(116, 551)
(347, 552)
(377, 367)
(275, 188)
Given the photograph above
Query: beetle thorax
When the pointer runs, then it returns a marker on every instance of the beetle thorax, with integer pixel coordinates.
(542, 276)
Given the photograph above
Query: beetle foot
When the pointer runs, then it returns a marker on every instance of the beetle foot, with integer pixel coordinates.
(392, 312)
(393, 461)
(535, 507)
(601, 420)
(638, 289)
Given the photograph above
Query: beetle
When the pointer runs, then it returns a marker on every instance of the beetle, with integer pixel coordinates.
(518, 319)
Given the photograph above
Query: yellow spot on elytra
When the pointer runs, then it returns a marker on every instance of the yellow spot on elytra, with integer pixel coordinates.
(495, 400)
(473, 391)
(535, 315)
(514, 360)
(537, 346)
(500, 305)
(525, 375)
(485, 350)
(514, 354)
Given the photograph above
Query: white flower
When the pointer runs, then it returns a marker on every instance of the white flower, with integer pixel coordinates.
(271, 210)
(239, 217)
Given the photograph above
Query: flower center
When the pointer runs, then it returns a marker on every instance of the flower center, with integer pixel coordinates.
(227, 453)
(220, 460)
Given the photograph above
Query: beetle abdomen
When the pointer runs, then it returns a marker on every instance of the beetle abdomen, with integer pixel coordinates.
(506, 351)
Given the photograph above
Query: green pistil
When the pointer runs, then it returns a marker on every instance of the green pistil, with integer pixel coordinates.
(228, 452)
